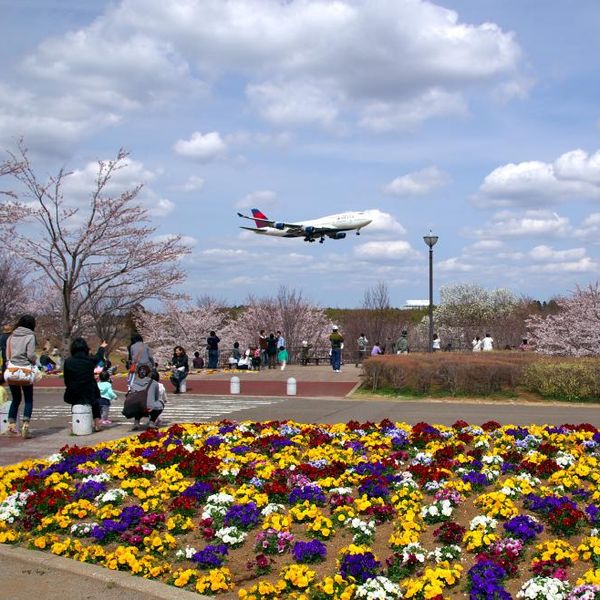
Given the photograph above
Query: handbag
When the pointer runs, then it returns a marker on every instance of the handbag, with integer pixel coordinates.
(135, 404)
(18, 375)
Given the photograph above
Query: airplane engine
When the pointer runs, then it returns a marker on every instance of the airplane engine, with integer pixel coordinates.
(309, 231)
(280, 226)
(340, 235)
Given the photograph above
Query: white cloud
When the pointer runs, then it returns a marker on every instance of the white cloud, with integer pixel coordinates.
(385, 250)
(383, 224)
(186, 240)
(583, 265)
(387, 64)
(486, 246)
(263, 200)
(453, 265)
(547, 254)
(419, 183)
(295, 103)
(530, 223)
(194, 183)
(201, 147)
(573, 176)
(381, 116)
(161, 208)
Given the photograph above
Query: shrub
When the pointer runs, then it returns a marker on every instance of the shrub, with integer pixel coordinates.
(564, 379)
(448, 373)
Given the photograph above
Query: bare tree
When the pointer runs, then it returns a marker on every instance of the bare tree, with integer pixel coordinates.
(101, 251)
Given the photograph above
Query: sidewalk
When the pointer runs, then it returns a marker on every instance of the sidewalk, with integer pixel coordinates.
(311, 381)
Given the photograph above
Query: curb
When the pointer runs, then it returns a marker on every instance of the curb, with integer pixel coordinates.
(152, 589)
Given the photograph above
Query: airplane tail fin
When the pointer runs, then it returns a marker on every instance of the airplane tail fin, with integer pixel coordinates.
(259, 218)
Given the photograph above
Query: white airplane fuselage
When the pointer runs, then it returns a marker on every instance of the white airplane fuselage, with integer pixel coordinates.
(347, 221)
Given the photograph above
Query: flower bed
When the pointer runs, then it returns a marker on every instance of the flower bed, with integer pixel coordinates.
(348, 511)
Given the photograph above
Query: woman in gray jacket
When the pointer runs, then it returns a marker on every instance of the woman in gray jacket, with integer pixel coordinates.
(20, 350)
(143, 382)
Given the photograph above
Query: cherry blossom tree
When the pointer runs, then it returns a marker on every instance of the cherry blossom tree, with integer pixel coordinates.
(296, 317)
(184, 324)
(101, 250)
(575, 330)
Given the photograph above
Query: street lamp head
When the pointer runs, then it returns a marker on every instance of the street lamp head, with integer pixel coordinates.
(430, 239)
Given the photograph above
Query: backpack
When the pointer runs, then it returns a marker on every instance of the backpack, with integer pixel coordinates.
(135, 405)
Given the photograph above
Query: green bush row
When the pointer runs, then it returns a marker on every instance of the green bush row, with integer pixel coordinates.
(484, 374)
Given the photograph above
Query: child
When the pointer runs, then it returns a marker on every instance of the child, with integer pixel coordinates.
(107, 395)
(162, 391)
(282, 357)
(256, 359)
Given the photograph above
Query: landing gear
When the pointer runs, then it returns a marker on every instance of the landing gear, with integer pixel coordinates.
(321, 240)
(309, 239)
(358, 232)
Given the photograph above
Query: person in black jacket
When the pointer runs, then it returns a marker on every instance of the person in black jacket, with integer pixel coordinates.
(212, 343)
(80, 380)
(180, 366)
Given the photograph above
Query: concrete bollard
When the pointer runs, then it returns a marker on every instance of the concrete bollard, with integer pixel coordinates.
(234, 386)
(82, 422)
(291, 387)
(4, 417)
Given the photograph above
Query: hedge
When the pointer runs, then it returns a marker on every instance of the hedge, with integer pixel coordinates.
(483, 374)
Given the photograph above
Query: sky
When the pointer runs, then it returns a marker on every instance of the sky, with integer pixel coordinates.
(476, 119)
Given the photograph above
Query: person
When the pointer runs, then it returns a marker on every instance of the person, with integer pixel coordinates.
(283, 357)
(143, 382)
(197, 361)
(476, 344)
(180, 367)
(138, 354)
(47, 346)
(234, 359)
(20, 351)
(57, 358)
(487, 344)
(245, 362)
(47, 363)
(212, 343)
(524, 346)
(6, 331)
(337, 345)
(271, 350)
(107, 396)
(256, 358)
(436, 343)
(361, 342)
(262, 344)
(305, 352)
(280, 339)
(80, 380)
(376, 350)
(401, 345)
(162, 391)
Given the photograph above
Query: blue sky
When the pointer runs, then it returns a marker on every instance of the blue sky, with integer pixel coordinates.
(478, 119)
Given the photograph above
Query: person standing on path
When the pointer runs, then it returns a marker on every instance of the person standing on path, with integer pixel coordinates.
(272, 350)
(337, 345)
(436, 343)
(262, 344)
(401, 345)
(476, 344)
(138, 354)
(180, 366)
(487, 344)
(212, 343)
(361, 342)
(20, 351)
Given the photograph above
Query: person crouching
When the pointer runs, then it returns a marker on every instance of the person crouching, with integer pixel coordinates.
(144, 387)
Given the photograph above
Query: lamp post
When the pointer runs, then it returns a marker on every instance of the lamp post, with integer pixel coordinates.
(430, 240)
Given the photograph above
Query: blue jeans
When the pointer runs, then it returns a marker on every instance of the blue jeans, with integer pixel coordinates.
(213, 359)
(336, 358)
(15, 391)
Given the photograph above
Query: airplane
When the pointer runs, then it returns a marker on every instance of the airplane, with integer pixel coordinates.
(333, 226)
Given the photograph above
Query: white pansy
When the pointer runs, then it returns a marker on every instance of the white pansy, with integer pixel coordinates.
(186, 552)
(232, 536)
(149, 467)
(112, 496)
(82, 529)
(272, 508)
(544, 588)
(11, 507)
(378, 588)
(98, 478)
